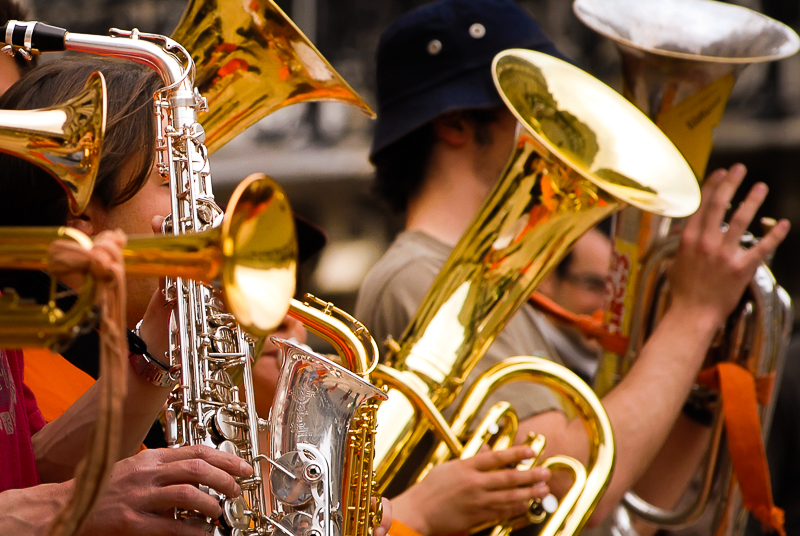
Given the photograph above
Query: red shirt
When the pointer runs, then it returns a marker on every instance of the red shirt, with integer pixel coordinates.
(20, 418)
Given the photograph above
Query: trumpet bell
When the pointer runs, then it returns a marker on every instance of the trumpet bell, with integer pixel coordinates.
(260, 255)
(681, 58)
(64, 140)
(253, 253)
(252, 61)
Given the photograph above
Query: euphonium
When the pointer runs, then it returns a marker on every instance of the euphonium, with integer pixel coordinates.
(680, 61)
(64, 140)
(584, 153)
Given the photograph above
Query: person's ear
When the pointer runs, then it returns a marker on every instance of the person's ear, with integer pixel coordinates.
(89, 222)
(453, 129)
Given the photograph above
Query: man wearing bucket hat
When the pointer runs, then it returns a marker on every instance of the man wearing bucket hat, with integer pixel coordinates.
(442, 139)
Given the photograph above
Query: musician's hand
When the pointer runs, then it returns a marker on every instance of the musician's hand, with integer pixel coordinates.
(145, 488)
(154, 329)
(462, 494)
(711, 270)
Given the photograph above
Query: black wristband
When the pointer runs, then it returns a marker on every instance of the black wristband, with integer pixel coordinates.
(147, 366)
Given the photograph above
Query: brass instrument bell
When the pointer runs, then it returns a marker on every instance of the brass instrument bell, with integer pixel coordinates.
(253, 253)
(65, 140)
(252, 61)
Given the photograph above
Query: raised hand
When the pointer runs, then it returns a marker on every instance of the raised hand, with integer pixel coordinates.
(712, 270)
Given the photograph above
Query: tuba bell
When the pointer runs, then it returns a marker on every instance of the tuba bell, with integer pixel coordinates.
(680, 60)
(573, 165)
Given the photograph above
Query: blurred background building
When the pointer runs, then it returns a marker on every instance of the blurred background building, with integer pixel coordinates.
(319, 151)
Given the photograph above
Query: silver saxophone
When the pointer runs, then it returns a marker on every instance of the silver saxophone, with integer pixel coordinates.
(315, 403)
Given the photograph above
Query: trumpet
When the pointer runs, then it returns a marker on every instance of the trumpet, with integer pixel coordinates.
(255, 247)
(570, 169)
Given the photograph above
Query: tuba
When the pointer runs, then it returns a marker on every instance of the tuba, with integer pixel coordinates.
(572, 166)
(680, 61)
(251, 61)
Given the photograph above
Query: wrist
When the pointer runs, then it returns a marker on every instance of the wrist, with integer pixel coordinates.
(701, 322)
(150, 368)
(409, 514)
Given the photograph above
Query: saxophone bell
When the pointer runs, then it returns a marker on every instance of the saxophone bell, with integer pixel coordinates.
(315, 403)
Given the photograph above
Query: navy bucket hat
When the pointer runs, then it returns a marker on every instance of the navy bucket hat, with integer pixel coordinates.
(438, 58)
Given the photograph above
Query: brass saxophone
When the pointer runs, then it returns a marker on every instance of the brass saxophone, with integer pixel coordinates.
(682, 78)
(570, 169)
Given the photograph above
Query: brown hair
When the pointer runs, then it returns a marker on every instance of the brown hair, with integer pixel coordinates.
(30, 195)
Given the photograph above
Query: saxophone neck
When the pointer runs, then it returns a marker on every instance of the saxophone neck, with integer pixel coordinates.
(155, 51)
(349, 337)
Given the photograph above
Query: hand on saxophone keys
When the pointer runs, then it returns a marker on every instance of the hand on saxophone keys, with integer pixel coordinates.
(461, 494)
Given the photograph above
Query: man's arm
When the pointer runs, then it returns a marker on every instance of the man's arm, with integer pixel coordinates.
(708, 278)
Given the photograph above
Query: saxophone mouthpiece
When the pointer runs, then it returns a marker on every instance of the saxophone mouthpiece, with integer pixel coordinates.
(30, 36)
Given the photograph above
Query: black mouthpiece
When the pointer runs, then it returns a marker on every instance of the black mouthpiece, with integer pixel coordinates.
(33, 36)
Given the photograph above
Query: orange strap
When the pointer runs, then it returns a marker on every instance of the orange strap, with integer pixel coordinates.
(740, 397)
(591, 326)
(399, 529)
(56, 382)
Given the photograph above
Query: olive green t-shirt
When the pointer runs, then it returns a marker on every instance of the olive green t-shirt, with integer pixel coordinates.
(392, 292)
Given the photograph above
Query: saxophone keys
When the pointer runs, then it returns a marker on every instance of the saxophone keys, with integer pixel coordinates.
(224, 426)
(236, 513)
(289, 484)
(299, 524)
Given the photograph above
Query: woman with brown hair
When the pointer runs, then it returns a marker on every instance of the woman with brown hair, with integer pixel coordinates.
(129, 195)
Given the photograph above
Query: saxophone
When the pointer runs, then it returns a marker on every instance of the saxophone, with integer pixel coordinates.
(323, 428)
(207, 344)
